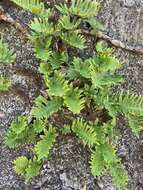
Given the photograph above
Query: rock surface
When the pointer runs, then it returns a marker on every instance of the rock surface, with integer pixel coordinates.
(69, 169)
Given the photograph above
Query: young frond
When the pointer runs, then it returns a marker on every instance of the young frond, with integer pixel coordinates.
(44, 109)
(4, 84)
(74, 100)
(85, 132)
(34, 6)
(7, 56)
(74, 39)
(20, 164)
(26, 168)
(44, 146)
(57, 85)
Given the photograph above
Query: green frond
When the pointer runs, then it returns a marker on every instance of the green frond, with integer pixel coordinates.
(44, 108)
(81, 8)
(44, 68)
(19, 133)
(85, 132)
(32, 170)
(74, 39)
(56, 60)
(79, 69)
(34, 6)
(41, 44)
(84, 8)
(44, 146)
(108, 152)
(119, 175)
(20, 164)
(101, 79)
(130, 103)
(136, 124)
(26, 168)
(97, 163)
(57, 85)
(39, 125)
(74, 100)
(4, 84)
(7, 56)
(67, 24)
(41, 25)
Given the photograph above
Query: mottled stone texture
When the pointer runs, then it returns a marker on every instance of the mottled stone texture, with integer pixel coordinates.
(68, 169)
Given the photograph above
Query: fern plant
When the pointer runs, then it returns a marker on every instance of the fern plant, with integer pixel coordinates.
(7, 57)
(74, 83)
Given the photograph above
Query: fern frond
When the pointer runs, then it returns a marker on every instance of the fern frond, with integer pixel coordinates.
(44, 109)
(32, 169)
(41, 44)
(136, 124)
(79, 69)
(56, 60)
(7, 56)
(74, 39)
(20, 164)
(85, 132)
(19, 133)
(44, 146)
(67, 24)
(108, 152)
(97, 163)
(39, 125)
(57, 85)
(101, 79)
(119, 175)
(81, 8)
(34, 6)
(130, 103)
(4, 84)
(74, 100)
(41, 25)
(84, 8)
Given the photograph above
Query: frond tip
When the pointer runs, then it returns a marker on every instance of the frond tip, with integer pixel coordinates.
(44, 146)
